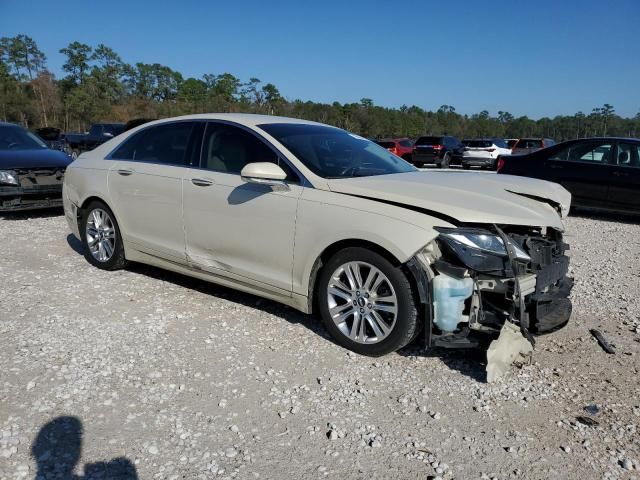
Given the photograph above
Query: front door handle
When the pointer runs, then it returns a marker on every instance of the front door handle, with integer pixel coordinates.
(556, 167)
(201, 182)
(125, 172)
(620, 174)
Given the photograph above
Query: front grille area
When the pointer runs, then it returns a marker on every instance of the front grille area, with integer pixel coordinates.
(38, 188)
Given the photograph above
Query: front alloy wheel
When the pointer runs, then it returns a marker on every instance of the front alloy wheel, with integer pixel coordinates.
(362, 302)
(101, 237)
(366, 302)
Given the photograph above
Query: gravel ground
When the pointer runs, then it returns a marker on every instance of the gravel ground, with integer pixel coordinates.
(143, 372)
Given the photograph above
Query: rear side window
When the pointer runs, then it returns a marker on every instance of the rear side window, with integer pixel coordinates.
(629, 154)
(429, 141)
(406, 143)
(165, 144)
(498, 142)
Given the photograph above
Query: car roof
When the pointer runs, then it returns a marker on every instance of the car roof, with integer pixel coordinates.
(248, 119)
(9, 124)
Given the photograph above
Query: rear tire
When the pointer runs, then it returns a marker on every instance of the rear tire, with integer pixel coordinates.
(100, 233)
(446, 161)
(372, 312)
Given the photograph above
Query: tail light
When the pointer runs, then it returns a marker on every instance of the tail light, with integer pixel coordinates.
(437, 147)
(500, 164)
(393, 150)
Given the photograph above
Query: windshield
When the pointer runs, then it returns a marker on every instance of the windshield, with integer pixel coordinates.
(16, 138)
(334, 153)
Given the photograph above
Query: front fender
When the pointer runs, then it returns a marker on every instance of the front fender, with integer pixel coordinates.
(321, 224)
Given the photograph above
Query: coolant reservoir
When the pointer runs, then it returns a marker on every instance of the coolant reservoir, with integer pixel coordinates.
(449, 295)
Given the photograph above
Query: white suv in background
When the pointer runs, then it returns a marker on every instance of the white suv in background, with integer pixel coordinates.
(483, 152)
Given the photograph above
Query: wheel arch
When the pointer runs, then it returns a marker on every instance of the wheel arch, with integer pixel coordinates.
(331, 250)
(83, 207)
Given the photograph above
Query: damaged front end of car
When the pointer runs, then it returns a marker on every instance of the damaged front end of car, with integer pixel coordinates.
(491, 279)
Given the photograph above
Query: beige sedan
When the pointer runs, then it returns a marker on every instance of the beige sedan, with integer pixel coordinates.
(329, 223)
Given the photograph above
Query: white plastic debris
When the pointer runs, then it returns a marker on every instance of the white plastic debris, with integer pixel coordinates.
(511, 347)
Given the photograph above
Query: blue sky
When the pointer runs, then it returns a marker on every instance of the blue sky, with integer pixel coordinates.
(529, 58)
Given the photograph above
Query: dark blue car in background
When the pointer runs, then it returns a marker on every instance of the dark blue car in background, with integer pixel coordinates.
(31, 173)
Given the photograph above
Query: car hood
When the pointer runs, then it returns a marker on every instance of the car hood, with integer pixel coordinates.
(466, 197)
(44, 158)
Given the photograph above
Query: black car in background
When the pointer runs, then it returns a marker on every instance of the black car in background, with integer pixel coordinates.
(97, 135)
(601, 173)
(440, 150)
(31, 174)
(53, 137)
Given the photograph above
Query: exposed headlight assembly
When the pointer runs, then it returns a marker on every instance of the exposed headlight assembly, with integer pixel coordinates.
(8, 178)
(479, 249)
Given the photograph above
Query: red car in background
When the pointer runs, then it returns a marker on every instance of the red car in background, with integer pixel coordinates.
(402, 147)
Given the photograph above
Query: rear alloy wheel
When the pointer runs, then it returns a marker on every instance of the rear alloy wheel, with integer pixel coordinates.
(366, 303)
(445, 161)
(101, 237)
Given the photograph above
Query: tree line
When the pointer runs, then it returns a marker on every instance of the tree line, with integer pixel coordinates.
(99, 86)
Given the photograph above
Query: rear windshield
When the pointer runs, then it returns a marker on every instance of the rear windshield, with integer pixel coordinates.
(478, 143)
(511, 143)
(429, 141)
(386, 144)
(529, 143)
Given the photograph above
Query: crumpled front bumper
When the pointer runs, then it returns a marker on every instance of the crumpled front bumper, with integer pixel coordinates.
(13, 199)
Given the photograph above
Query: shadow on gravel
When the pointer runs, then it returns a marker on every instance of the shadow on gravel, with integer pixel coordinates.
(75, 244)
(29, 214)
(606, 217)
(471, 362)
(248, 300)
(57, 450)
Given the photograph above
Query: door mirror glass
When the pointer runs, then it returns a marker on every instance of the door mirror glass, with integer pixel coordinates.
(263, 172)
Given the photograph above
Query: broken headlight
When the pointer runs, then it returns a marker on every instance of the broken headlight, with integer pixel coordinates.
(8, 178)
(479, 249)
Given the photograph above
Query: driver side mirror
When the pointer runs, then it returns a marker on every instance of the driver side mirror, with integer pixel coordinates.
(264, 173)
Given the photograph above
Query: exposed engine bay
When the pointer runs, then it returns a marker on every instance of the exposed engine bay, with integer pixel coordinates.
(483, 278)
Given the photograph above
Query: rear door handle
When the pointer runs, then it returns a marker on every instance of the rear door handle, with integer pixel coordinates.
(125, 172)
(620, 174)
(557, 167)
(201, 182)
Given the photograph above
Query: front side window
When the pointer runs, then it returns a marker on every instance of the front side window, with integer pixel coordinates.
(165, 144)
(629, 155)
(334, 153)
(16, 138)
(584, 152)
(228, 149)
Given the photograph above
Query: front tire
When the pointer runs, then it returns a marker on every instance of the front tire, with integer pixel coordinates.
(366, 303)
(103, 246)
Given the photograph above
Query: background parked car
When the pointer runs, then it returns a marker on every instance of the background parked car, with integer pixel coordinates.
(97, 135)
(440, 150)
(483, 152)
(53, 137)
(528, 145)
(402, 147)
(31, 173)
(600, 173)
